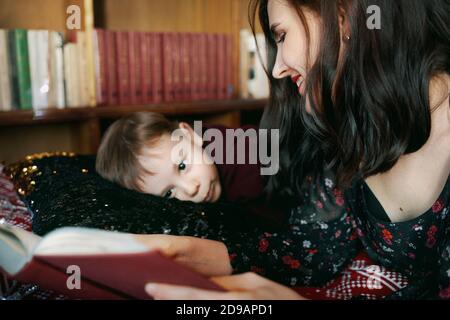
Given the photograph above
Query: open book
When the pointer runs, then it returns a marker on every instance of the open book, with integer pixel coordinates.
(90, 264)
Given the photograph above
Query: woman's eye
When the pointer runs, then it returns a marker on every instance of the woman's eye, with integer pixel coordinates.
(182, 166)
(281, 37)
(168, 194)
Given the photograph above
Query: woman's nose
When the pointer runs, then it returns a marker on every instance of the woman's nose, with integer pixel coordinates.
(280, 69)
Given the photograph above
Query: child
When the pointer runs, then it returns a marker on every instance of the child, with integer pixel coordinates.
(137, 153)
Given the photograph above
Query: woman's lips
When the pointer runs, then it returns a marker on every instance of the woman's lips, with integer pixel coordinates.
(295, 78)
(299, 81)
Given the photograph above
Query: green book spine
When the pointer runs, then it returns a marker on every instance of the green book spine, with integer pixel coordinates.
(21, 69)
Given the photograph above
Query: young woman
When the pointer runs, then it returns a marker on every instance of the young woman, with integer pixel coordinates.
(374, 107)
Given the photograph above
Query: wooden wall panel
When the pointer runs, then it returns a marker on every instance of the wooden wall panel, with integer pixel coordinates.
(169, 15)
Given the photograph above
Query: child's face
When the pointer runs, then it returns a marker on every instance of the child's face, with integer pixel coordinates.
(179, 178)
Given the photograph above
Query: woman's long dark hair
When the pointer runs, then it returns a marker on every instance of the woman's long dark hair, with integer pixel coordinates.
(369, 108)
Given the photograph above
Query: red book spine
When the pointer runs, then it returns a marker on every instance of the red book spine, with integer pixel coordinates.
(132, 63)
(158, 67)
(186, 72)
(221, 65)
(102, 81)
(176, 56)
(138, 67)
(167, 59)
(123, 70)
(111, 54)
(212, 67)
(182, 94)
(229, 70)
(144, 51)
(193, 66)
(203, 67)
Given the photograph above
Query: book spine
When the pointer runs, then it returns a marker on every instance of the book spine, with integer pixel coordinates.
(181, 67)
(111, 62)
(176, 56)
(139, 68)
(5, 73)
(212, 67)
(38, 47)
(21, 69)
(56, 94)
(203, 87)
(245, 64)
(229, 67)
(132, 67)
(158, 67)
(186, 69)
(146, 89)
(83, 72)
(101, 70)
(33, 62)
(123, 71)
(193, 66)
(221, 66)
(71, 75)
(168, 67)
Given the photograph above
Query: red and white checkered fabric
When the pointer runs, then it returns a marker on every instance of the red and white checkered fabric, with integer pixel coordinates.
(14, 212)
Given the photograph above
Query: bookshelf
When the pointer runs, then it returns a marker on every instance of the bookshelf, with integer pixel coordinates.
(79, 129)
(48, 116)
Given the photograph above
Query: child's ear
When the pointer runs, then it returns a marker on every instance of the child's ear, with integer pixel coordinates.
(198, 140)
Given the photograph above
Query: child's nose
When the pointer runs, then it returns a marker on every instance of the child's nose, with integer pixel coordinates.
(191, 188)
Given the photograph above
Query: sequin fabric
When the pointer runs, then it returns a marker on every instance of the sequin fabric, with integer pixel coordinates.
(14, 212)
(64, 190)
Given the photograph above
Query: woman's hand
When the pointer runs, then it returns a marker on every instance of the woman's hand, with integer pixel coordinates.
(207, 257)
(247, 286)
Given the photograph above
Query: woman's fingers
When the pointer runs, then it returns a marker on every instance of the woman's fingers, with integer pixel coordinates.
(248, 286)
(171, 246)
(245, 281)
(171, 292)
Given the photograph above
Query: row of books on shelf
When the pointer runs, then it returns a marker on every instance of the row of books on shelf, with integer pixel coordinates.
(156, 67)
(41, 69)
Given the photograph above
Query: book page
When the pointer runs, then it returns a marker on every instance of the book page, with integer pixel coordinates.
(84, 241)
(16, 247)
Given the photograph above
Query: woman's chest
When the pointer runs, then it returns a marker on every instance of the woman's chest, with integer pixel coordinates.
(413, 246)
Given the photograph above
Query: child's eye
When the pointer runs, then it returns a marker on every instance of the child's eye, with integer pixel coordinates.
(182, 166)
(168, 194)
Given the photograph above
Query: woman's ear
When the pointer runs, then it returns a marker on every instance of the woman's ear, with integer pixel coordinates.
(193, 136)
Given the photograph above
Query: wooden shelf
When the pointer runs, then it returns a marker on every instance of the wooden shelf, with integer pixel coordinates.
(45, 116)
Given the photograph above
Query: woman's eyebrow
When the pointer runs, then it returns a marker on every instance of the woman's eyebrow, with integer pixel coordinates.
(273, 28)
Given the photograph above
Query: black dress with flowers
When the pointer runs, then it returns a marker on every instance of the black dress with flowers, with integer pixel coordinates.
(326, 233)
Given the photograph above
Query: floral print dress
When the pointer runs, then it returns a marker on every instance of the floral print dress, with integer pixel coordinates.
(330, 229)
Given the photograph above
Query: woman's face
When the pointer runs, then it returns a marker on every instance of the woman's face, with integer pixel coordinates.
(290, 34)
